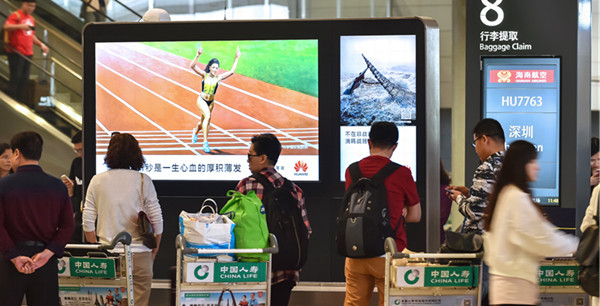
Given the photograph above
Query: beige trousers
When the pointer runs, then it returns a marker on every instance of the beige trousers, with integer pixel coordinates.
(142, 277)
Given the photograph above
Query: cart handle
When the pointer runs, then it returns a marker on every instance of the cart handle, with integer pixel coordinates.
(123, 237)
(272, 248)
(390, 247)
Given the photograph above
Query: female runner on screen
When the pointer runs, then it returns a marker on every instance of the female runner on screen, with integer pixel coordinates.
(210, 82)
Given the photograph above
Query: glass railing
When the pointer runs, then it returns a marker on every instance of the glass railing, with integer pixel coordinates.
(132, 10)
(50, 97)
(116, 10)
(54, 89)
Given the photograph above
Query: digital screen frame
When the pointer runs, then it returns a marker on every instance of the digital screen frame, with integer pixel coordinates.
(326, 34)
(378, 79)
(523, 94)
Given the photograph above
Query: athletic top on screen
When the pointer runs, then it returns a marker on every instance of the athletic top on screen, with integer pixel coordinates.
(210, 84)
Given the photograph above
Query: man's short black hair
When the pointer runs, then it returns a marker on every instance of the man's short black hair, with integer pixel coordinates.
(267, 144)
(383, 134)
(76, 138)
(490, 128)
(595, 145)
(29, 144)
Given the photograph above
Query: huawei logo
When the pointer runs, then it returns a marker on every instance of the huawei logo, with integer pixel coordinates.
(300, 165)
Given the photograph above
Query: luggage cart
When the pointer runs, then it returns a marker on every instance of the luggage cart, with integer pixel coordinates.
(412, 280)
(210, 281)
(86, 280)
(558, 283)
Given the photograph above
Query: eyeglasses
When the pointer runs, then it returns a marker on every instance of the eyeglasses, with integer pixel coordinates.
(253, 155)
(475, 141)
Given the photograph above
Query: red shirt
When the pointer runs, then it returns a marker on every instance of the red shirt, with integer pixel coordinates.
(21, 40)
(401, 191)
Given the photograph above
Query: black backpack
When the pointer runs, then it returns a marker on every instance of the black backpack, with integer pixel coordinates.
(587, 257)
(284, 220)
(363, 222)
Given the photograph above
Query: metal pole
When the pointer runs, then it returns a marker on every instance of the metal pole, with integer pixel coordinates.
(129, 268)
(267, 10)
(229, 9)
(52, 88)
(372, 8)
(338, 9)
(388, 8)
(303, 9)
(150, 4)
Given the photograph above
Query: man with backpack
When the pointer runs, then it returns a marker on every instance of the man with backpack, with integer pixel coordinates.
(285, 211)
(401, 205)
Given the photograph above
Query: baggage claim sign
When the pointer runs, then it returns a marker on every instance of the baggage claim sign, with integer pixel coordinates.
(501, 40)
(518, 63)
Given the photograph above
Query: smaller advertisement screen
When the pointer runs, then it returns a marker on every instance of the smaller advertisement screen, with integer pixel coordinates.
(523, 94)
(195, 105)
(377, 83)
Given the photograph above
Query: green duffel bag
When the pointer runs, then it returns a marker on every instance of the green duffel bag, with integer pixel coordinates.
(251, 231)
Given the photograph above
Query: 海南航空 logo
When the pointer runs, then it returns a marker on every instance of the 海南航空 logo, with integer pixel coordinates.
(411, 277)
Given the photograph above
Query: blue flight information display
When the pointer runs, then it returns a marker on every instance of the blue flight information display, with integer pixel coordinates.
(523, 94)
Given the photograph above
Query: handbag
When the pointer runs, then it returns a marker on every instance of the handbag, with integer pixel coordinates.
(144, 226)
(463, 242)
(460, 243)
(251, 231)
(207, 230)
(587, 257)
(221, 297)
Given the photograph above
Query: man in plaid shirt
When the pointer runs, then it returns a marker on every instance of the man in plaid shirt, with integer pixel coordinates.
(262, 157)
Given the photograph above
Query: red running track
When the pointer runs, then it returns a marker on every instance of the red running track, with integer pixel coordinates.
(152, 94)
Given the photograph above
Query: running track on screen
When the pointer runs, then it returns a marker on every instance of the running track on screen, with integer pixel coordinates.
(152, 95)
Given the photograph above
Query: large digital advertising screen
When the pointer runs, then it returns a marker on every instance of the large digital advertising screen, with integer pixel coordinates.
(523, 94)
(377, 83)
(196, 123)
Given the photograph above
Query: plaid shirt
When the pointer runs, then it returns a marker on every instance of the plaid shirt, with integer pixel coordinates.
(249, 184)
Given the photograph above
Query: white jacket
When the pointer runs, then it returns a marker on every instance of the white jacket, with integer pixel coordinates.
(590, 212)
(113, 197)
(588, 220)
(520, 237)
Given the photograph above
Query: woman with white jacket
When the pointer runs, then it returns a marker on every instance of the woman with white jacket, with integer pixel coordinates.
(115, 198)
(517, 234)
(588, 220)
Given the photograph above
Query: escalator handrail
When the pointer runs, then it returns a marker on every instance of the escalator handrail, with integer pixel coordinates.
(128, 8)
(87, 4)
(69, 70)
(47, 72)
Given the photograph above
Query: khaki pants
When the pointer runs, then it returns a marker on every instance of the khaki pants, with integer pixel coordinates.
(362, 274)
(142, 277)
